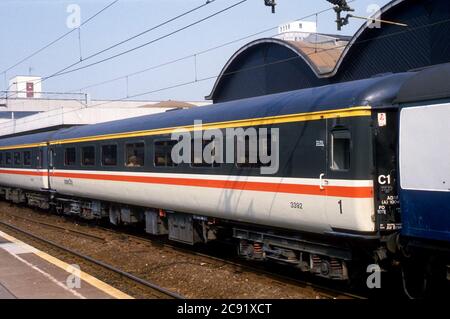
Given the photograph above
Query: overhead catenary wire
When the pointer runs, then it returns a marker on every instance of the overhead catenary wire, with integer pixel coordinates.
(61, 72)
(158, 90)
(410, 29)
(196, 54)
(66, 70)
(173, 61)
(199, 80)
(166, 88)
(275, 62)
(59, 38)
(149, 30)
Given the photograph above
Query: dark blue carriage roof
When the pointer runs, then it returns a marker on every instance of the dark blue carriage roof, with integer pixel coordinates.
(28, 139)
(376, 91)
(429, 84)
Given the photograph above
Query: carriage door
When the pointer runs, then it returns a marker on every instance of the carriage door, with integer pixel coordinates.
(350, 203)
(40, 163)
(340, 207)
(51, 164)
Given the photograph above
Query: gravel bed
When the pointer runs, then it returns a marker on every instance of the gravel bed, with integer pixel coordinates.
(187, 274)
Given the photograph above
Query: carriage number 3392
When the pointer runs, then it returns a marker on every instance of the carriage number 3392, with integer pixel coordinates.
(296, 205)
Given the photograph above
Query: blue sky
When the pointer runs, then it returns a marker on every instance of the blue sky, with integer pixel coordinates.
(27, 25)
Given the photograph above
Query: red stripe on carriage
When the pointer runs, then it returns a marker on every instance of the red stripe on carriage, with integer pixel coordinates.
(338, 191)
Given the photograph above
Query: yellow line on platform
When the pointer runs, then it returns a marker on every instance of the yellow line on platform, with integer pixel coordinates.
(100, 285)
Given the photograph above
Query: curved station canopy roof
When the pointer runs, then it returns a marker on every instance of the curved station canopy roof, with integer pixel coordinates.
(272, 65)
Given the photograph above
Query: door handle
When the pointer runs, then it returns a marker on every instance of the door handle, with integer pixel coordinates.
(323, 182)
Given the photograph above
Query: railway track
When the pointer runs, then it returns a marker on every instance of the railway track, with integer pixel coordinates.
(324, 291)
(158, 291)
(64, 229)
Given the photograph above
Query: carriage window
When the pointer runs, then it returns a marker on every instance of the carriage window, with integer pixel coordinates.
(134, 154)
(340, 150)
(70, 156)
(163, 153)
(88, 156)
(8, 158)
(1, 158)
(198, 160)
(251, 157)
(27, 158)
(109, 155)
(17, 158)
(265, 148)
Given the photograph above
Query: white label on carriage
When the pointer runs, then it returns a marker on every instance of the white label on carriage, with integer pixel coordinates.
(320, 143)
(382, 120)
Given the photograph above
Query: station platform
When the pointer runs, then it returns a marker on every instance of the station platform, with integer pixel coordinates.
(28, 273)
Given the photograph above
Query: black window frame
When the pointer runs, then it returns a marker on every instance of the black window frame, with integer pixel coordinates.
(340, 130)
(30, 158)
(65, 156)
(102, 163)
(15, 161)
(203, 164)
(82, 148)
(125, 154)
(258, 164)
(269, 150)
(165, 149)
(8, 158)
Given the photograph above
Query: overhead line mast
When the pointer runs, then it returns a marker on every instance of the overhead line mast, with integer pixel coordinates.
(341, 6)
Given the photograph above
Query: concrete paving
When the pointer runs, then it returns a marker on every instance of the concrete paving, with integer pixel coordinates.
(27, 273)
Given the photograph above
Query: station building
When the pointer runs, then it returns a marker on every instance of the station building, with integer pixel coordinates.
(299, 57)
(25, 109)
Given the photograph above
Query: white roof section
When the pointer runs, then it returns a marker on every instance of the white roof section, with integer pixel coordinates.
(44, 104)
(69, 117)
(298, 26)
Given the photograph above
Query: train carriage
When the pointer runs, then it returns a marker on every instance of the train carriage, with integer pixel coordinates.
(424, 154)
(332, 196)
(424, 179)
(336, 197)
(24, 169)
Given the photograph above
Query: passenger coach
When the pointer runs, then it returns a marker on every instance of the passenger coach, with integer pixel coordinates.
(333, 199)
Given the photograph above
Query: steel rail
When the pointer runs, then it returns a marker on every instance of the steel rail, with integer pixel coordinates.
(97, 262)
(323, 290)
(59, 227)
(330, 292)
